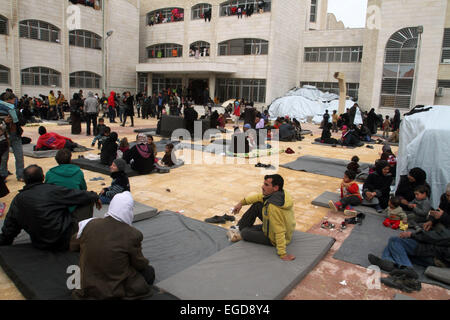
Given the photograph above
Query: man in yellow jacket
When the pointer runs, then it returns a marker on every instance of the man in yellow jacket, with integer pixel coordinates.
(274, 207)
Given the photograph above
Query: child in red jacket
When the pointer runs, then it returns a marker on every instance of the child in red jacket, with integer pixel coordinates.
(350, 195)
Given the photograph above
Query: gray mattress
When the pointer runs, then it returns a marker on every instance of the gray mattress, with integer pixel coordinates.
(29, 152)
(249, 271)
(172, 243)
(326, 166)
(324, 198)
(372, 237)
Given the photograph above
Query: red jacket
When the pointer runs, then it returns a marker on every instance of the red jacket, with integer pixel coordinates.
(51, 140)
(353, 190)
(111, 99)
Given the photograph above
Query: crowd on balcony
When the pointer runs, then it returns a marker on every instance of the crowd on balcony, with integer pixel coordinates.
(96, 4)
(174, 16)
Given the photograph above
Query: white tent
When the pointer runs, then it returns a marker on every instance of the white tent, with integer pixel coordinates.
(425, 143)
(308, 102)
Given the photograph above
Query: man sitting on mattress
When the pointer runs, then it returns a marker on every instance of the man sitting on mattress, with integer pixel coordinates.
(53, 141)
(274, 207)
(42, 210)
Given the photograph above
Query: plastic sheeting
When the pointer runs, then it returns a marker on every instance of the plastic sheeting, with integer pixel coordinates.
(425, 143)
(308, 102)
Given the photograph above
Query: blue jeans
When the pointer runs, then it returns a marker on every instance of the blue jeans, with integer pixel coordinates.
(401, 252)
(105, 199)
(16, 145)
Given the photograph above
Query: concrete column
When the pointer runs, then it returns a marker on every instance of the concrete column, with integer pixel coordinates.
(149, 83)
(212, 85)
(15, 41)
(64, 38)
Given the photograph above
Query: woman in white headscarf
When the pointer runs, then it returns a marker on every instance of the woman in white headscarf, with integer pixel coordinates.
(141, 156)
(111, 260)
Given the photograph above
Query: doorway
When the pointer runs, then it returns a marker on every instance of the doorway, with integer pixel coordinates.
(196, 89)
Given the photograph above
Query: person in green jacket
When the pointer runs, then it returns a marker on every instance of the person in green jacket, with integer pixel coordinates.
(70, 176)
(274, 207)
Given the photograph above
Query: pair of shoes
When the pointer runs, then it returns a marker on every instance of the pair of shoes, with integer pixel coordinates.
(327, 225)
(385, 265)
(289, 151)
(404, 272)
(406, 281)
(234, 235)
(370, 147)
(261, 165)
(220, 219)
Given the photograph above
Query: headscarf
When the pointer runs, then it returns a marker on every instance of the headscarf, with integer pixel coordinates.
(121, 208)
(380, 165)
(419, 175)
(141, 139)
(142, 146)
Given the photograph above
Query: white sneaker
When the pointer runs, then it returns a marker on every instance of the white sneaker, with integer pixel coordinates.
(234, 235)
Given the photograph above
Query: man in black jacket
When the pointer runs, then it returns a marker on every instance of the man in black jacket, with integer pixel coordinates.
(428, 247)
(42, 210)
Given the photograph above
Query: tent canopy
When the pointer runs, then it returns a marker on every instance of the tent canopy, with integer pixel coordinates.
(425, 143)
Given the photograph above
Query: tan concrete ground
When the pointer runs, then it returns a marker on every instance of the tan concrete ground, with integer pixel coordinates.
(202, 191)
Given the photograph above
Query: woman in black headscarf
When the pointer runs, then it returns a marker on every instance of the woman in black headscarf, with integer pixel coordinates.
(378, 186)
(76, 108)
(326, 135)
(396, 121)
(372, 121)
(405, 190)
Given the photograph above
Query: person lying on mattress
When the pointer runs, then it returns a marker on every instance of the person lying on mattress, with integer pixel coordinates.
(122, 272)
(427, 247)
(53, 141)
(274, 207)
(42, 210)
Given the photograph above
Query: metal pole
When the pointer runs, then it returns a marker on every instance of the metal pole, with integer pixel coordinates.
(416, 71)
(103, 51)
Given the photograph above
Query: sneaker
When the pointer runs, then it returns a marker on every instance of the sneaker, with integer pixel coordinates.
(216, 219)
(334, 205)
(228, 217)
(234, 235)
(385, 265)
(350, 211)
(396, 284)
(378, 208)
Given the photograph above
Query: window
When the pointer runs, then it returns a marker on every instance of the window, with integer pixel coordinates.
(313, 13)
(159, 83)
(199, 10)
(165, 15)
(85, 39)
(445, 47)
(3, 25)
(333, 87)
(334, 54)
(249, 89)
(199, 49)
(40, 76)
(239, 47)
(38, 30)
(443, 83)
(165, 50)
(399, 69)
(229, 8)
(142, 82)
(85, 79)
(4, 75)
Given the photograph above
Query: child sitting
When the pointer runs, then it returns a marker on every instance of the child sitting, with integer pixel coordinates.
(353, 165)
(109, 149)
(124, 146)
(419, 207)
(350, 195)
(394, 214)
(169, 157)
(101, 128)
(120, 182)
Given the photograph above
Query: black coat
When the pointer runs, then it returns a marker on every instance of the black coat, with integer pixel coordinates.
(139, 163)
(445, 204)
(130, 106)
(109, 152)
(42, 210)
(380, 184)
(405, 190)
